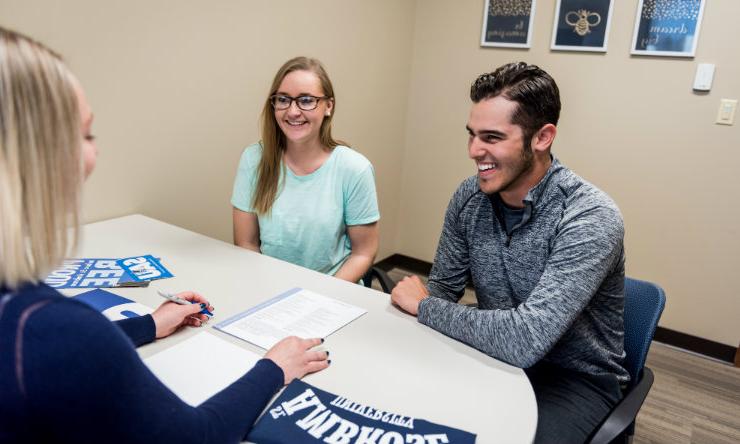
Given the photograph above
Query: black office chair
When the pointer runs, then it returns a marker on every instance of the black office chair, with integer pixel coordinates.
(643, 305)
(386, 283)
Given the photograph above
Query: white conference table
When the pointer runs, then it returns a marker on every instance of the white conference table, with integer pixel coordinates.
(384, 359)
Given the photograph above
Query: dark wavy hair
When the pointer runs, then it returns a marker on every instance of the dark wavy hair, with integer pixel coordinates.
(533, 89)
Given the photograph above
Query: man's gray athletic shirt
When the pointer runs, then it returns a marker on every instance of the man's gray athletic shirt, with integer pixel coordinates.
(553, 290)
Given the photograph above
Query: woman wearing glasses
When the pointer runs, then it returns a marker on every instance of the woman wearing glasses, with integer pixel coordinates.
(68, 374)
(300, 195)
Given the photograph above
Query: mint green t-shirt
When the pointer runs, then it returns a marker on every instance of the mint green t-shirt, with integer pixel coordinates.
(308, 222)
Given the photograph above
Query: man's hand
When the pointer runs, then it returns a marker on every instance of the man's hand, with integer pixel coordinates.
(408, 293)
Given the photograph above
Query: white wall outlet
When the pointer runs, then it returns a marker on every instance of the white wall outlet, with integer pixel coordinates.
(704, 76)
(726, 113)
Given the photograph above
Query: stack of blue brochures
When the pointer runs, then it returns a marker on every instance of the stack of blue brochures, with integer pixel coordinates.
(136, 271)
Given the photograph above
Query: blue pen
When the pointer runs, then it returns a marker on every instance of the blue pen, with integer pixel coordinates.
(176, 300)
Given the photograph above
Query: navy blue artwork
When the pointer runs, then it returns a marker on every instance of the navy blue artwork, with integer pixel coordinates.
(508, 23)
(582, 25)
(667, 27)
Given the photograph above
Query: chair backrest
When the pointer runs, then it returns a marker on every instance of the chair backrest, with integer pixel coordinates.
(643, 305)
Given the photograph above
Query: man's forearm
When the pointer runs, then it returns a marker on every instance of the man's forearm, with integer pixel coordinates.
(486, 330)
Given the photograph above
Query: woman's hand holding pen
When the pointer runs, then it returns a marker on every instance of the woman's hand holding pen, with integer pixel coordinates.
(171, 316)
(295, 357)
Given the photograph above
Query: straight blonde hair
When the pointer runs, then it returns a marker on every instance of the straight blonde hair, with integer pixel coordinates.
(40, 160)
(271, 168)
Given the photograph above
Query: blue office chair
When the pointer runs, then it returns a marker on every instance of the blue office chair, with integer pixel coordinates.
(386, 283)
(643, 305)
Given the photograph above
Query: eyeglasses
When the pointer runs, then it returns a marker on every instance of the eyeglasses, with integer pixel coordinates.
(305, 103)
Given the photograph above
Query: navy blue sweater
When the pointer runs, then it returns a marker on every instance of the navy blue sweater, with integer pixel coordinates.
(68, 374)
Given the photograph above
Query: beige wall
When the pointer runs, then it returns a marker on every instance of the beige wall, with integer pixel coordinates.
(177, 88)
(631, 125)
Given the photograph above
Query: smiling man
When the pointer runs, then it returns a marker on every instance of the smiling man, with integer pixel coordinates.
(544, 250)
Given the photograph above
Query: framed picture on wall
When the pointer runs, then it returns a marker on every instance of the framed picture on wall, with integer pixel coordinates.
(508, 23)
(581, 25)
(667, 27)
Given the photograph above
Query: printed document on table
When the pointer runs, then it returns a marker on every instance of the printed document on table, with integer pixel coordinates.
(297, 312)
(201, 366)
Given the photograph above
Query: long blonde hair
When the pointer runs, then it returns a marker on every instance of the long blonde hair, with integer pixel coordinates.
(40, 160)
(271, 169)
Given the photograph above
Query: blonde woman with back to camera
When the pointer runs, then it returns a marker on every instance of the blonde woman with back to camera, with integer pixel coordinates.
(67, 374)
(300, 195)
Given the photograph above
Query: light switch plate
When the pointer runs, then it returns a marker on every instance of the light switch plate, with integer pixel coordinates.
(726, 113)
(704, 76)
